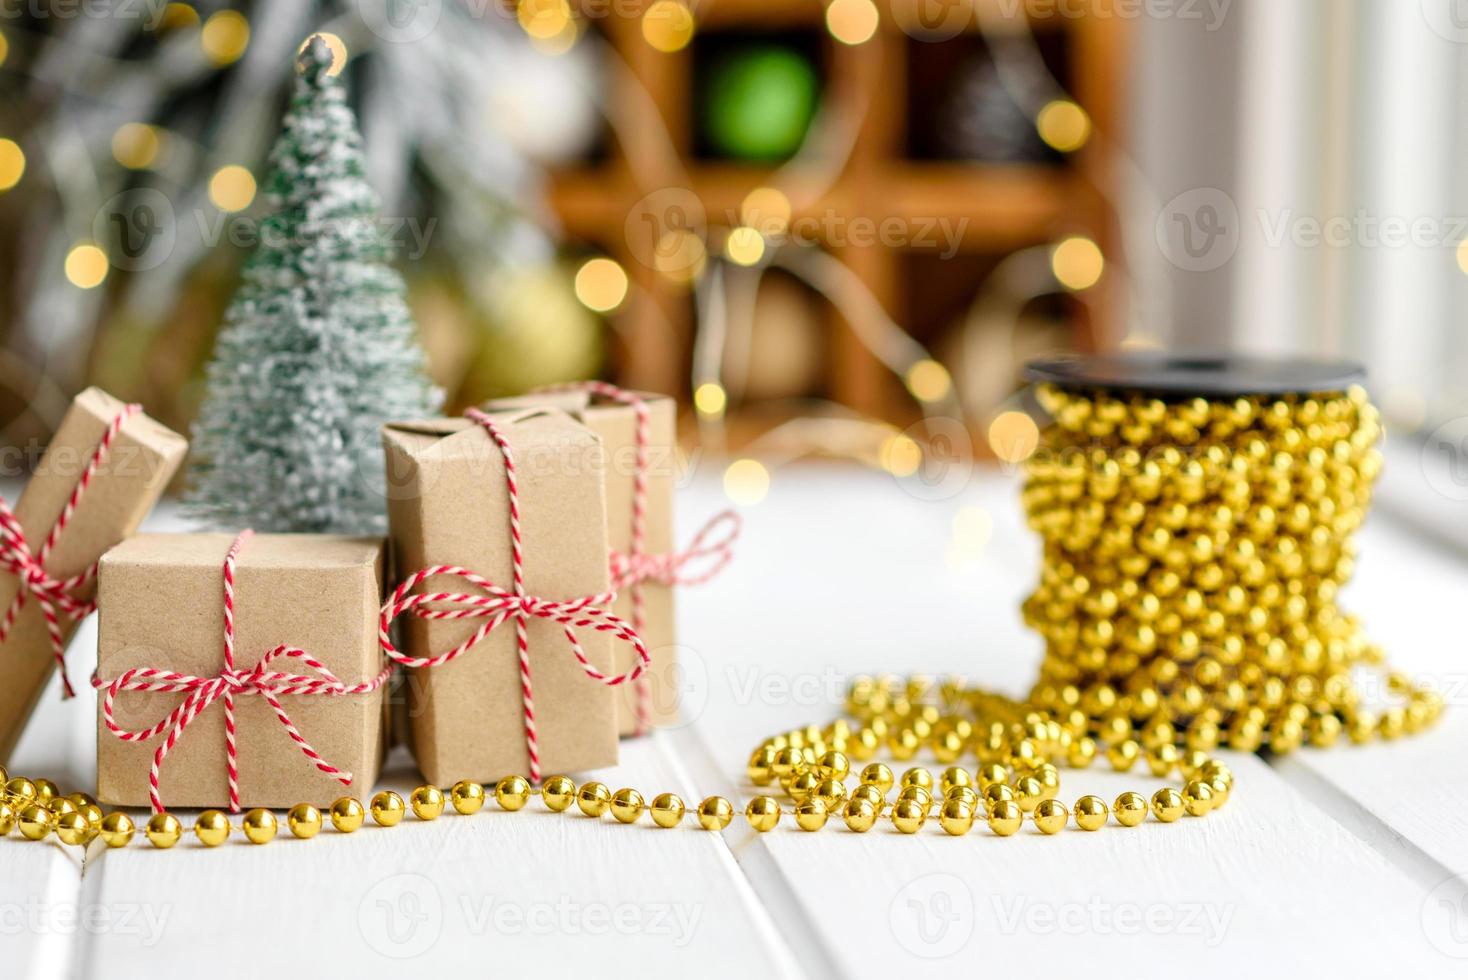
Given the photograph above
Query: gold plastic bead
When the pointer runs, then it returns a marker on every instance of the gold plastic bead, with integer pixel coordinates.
(802, 784)
(163, 830)
(60, 806)
(81, 800)
(667, 810)
(1130, 809)
(965, 794)
(831, 792)
(811, 814)
(872, 795)
(1167, 804)
(73, 829)
(259, 825)
(763, 813)
(918, 776)
(22, 789)
(7, 819)
(908, 816)
(594, 799)
(347, 814)
(956, 816)
(1082, 752)
(1197, 798)
(785, 762)
(954, 777)
(427, 802)
(117, 829)
(996, 793)
(388, 808)
(1050, 816)
(35, 821)
(511, 793)
(1090, 813)
(991, 773)
(1123, 755)
(1221, 788)
(1028, 792)
(212, 828)
(833, 765)
(916, 794)
(466, 796)
(1005, 818)
(558, 793)
(761, 767)
(877, 774)
(304, 821)
(47, 791)
(627, 805)
(715, 813)
(92, 812)
(860, 814)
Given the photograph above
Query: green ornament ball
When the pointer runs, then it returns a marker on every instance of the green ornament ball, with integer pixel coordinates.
(759, 102)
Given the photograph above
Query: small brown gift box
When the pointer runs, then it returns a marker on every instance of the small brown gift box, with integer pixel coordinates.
(448, 505)
(616, 424)
(161, 605)
(130, 477)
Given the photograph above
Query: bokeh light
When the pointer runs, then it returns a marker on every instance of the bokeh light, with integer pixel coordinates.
(852, 21)
(1077, 263)
(746, 482)
(4, 47)
(767, 210)
(336, 45)
(232, 188)
(745, 246)
(928, 380)
(668, 25)
(901, 455)
(601, 285)
(544, 20)
(136, 145)
(1013, 436)
(176, 15)
(225, 36)
(1063, 125)
(680, 255)
(710, 398)
(12, 164)
(86, 266)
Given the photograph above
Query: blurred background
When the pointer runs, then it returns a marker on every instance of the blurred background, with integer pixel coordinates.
(830, 227)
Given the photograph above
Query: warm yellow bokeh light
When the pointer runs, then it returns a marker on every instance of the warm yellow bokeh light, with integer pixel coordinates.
(86, 266)
(4, 47)
(1063, 125)
(1140, 341)
(225, 36)
(232, 188)
(680, 256)
(852, 21)
(336, 45)
(558, 43)
(746, 482)
(901, 455)
(668, 26)
(928, 380)
(601, 285)
(544, 19)
(12, 164)
(1077, 263)
(710, 398)
(767, 210)
(1463, 256)
(178, 15)
(745, 246)
(136, 145)
(1013, 436)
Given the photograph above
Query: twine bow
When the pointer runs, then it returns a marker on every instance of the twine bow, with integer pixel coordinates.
(53, 595)
(635, 567)
(495, 604)
(225, 686)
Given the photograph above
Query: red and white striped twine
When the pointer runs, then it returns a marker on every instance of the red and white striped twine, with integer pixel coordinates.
(272, 685)
(53, 596)
(630, 570)
(494, 605)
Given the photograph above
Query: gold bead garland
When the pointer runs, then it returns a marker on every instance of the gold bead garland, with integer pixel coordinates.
(1193, 551)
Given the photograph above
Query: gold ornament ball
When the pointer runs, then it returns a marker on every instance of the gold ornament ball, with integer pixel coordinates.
(786, 760)
(1005, 818)
(1221, 788)
(831, 792)
(1050, 816)
(7, 819)
(860, 814)
(347, 814)
(73, 829)
(802, 784)
(61, 805)
(627, 805)
(918, 776)
(35, 821)
(388, 808)
(212, 827)
(715, 813)
(954, 777)
(1090, 813)
(259, 826)
(47, 791)
(833, 765)
(811, 814)
(117, 829)
(304, 820)
(21, 788)
(763, 813)
(427, 802)
(512, 793)
(1167, 804)
(558, 793)
(82, 800)
(996, 793)
(761, 766)
(1028, 792)
(916, 794)
(908, 816)
(92, 812)
(1130, 809)
(990, 773)
(956, 816)
(594, 799)
(877, 774)
(871, 794)
(467, 796)
(1197, 798)
(163, 830)
(667, 810)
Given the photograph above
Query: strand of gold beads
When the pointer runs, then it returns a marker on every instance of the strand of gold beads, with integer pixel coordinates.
(1019, 749)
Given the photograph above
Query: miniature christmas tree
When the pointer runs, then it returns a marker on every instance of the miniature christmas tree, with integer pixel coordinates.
(317, 350)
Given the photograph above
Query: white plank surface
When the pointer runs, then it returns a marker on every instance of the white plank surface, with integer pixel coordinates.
(1326, 860)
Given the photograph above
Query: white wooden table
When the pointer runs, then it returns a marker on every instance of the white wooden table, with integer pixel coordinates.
(1342, 863)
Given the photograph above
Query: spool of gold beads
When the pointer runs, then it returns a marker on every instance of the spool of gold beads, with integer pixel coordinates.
(1197, 518)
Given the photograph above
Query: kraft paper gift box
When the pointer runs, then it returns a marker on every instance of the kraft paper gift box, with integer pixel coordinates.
(128, 480)
(161, 605)
(616, 424)
(448, 505)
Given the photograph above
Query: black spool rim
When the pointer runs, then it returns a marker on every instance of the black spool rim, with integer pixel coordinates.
(1187, 375)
